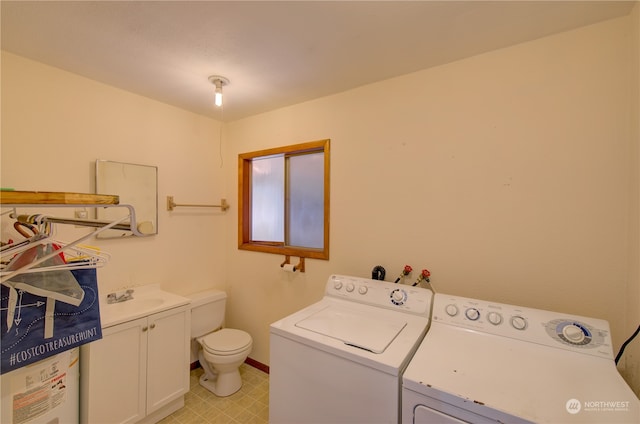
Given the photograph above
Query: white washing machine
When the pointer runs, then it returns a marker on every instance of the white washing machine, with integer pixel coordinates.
(341, 359)
(486, 362)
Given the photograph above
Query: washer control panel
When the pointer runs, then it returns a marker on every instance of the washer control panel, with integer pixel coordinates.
(580, 334)
(416, 300)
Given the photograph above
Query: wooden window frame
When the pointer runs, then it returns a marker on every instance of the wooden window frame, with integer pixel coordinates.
(244, 202)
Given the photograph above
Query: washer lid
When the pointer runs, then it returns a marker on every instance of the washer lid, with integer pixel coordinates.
(226, 340)
(369, 332)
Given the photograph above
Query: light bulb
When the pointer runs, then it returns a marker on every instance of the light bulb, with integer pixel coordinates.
(218, 93)
(218, 82)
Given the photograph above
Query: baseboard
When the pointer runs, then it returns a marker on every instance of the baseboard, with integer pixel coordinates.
(259, 365)
(255, 364)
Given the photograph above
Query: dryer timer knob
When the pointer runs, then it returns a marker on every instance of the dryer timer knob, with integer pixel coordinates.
(451, 310)
(573, 334)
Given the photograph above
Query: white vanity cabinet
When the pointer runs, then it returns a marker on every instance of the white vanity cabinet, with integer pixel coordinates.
(138, 371)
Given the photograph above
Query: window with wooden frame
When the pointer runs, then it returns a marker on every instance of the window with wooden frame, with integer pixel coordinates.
(284, 200)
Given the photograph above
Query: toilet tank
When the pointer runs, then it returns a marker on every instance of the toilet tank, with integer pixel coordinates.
(207, 311)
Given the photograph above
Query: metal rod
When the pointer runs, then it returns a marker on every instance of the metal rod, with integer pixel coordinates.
(121, 224)
(171, 204)
(76, 221)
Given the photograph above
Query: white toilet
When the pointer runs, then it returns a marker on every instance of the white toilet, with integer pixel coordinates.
(221, 351)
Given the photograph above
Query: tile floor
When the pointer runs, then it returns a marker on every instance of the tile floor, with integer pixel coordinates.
(250, 405)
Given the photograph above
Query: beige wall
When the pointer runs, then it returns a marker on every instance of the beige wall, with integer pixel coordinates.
(506, 174)
(56, 124)
(630, 362)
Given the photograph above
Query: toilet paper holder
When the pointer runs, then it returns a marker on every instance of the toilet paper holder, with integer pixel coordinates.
(287, 261)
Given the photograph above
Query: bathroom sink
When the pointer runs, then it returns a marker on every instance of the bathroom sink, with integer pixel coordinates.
(135, 305)
(146, 300)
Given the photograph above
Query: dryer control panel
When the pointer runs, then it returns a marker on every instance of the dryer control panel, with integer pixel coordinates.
(580, 334)
(414, 300)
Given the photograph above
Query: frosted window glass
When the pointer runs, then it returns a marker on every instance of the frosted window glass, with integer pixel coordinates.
(306, 200)
(267, 198)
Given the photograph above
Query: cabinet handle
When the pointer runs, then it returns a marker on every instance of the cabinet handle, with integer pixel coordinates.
(153, 326)
(145, 328)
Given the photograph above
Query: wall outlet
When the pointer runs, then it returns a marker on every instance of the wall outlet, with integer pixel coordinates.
(81, 214)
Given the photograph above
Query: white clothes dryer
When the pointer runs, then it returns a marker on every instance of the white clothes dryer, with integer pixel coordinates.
(341, 359)
(486, 362)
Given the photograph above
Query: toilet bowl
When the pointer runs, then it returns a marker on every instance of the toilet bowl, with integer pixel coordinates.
(220, 350)
(221, 354)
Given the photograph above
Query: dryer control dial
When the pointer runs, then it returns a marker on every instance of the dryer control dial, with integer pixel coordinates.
(494, 318)
(363, 289)
(398, 296)
(337, 285)
(350, 287)
(472, 313)
(518, 322)
(451, 310)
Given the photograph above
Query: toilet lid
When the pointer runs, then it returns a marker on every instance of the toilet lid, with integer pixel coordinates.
(226, 340)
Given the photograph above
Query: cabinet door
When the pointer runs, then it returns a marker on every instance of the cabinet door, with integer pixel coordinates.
(168, 357)
(114, 375)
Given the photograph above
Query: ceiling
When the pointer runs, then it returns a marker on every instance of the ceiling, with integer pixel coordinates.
(275, 53)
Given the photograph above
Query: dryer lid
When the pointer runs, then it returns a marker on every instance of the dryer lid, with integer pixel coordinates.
(365, 331)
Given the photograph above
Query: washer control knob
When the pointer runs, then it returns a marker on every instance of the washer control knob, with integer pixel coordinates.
(472, 313)
(398, 296)
(337, 285)
(363, 289)
(518, 322)
(451, 310)
(573, 333)
(350, 287)
(494, 318)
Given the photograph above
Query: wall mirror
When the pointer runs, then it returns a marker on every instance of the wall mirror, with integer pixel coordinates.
(137, 185)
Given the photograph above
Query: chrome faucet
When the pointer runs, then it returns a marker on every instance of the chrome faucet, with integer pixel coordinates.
(117, 297)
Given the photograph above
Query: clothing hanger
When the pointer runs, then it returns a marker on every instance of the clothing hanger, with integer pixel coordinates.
(18, 227)
(42, 266)
(91, 257)
(26, 255)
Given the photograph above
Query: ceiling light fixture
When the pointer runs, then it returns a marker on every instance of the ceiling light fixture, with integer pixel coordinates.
(219, 82)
